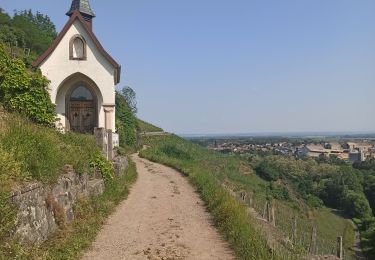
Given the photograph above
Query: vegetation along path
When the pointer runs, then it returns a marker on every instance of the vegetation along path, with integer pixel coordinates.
(163, 218)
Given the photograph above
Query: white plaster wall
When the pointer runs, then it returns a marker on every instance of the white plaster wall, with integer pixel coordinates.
(58, 67)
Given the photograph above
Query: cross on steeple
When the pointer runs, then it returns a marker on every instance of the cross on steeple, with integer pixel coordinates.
(83, 6)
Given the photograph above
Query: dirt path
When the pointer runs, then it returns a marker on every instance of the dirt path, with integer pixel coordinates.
(163, 218)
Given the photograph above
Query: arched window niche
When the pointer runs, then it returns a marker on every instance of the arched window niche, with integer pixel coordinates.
(77, 48)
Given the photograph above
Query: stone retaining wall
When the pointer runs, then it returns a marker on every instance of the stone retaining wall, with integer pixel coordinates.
(43, 209)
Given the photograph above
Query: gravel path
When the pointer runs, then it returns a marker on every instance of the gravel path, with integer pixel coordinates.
(163, 218)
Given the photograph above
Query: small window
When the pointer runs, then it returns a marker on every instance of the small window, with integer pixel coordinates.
(81, 93)
(77, 48)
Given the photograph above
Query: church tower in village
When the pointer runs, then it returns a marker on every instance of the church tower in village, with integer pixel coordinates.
(83, 75)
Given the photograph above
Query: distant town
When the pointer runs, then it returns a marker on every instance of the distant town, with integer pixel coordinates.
(349, 150)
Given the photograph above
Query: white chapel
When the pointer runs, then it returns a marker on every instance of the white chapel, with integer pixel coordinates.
(83, 75)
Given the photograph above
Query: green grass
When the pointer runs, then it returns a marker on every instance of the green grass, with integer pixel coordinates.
(229, 216)
(147, 127)
(91, 213)
(42, 152)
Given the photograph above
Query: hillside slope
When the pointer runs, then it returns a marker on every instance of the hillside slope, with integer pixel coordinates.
(237, 199)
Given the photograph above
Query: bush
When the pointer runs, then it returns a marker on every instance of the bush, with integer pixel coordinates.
(314, 201)
(24, 91)
(279, 192)
(267, 172)
(104, 166)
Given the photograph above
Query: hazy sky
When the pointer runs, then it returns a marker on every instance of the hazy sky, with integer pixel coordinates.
(235, 66)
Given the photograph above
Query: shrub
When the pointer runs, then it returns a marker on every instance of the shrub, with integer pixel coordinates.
(24, 91)
(314, 201)
(104, 166)
(279, 192)
(267, 172)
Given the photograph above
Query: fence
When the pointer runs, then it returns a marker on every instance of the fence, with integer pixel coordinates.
(302, 236)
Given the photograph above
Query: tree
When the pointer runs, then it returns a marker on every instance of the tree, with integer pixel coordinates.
(27, 30)
(356, 205)
(369, 187)
(4, 18)
(130, 97)
(126, 122)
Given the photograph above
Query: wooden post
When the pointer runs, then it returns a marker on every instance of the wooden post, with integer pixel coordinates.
(250, 200)
(312, 249)
(265, 210)
(273, 214)
(339, 248)
(295, 230)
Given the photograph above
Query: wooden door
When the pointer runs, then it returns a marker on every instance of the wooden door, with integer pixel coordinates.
(82, 116)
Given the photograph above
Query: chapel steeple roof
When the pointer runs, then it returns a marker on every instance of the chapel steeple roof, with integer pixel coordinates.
(83, 6)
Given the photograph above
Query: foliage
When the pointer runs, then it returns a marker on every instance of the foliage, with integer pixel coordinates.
(126, 122)
(314, 201)
(104, 166)
(337, 185)
(267, 172)
(279, 191)
(131, 98)
(202, 168)
(23, 91)
(27, 30)
(90, 215)
(356, 205)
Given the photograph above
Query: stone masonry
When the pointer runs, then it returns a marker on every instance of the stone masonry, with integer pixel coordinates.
(43, 209)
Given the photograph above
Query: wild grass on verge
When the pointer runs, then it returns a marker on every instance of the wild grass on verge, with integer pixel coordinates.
(230, 217)
(147, 127)
(41, 151)
(90, 215)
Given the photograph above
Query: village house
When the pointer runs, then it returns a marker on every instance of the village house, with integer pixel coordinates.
(320, 151)
(83, 75)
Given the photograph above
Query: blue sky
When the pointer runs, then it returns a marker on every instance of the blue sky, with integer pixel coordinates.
(239, 66)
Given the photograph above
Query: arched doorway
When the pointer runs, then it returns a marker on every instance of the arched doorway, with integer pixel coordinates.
(82, 109)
